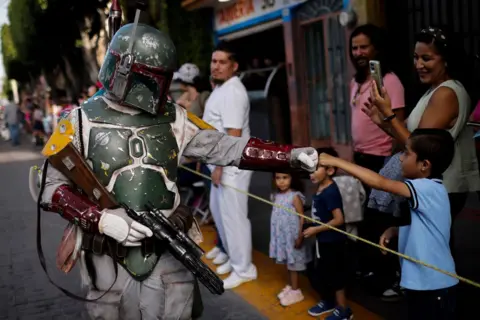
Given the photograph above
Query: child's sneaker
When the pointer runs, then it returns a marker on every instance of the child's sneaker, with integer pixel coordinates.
(341, 314)
(291, 297)
(321, 308)
(284, 292)
(393, 294)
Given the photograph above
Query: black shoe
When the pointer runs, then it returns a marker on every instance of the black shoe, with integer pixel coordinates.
(393, 294)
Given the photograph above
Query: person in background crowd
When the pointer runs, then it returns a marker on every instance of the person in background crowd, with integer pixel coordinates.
(193, 100)
(47, 121)
(82, 97)
(429, 152)
(329, 276)
(196, 89)
(12, 119)
(184, 76)
(371, 146)
(441, 64)
(286, 234)
(65, 105)
(446, 105)
(91, 91)
(228, 110)
(27, 109)
(38, 129)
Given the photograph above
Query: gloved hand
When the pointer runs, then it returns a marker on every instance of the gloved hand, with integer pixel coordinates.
(116, 224)
(304, 158)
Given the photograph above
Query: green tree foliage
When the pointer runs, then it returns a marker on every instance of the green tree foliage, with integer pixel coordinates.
(6, 86)
(14, 68)
(22, 15)
(190, 30)
(44, 35)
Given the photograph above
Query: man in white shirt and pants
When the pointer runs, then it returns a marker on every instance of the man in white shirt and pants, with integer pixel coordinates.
(228, 109)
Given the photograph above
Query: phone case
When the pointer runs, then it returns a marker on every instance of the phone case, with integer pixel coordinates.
(376, 74)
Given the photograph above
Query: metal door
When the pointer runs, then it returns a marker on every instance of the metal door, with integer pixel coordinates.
(325, 63)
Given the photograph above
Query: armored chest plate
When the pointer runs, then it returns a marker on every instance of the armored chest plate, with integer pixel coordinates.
(128, 153)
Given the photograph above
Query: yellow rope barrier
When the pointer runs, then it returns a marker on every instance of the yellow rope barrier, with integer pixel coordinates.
(401, 255)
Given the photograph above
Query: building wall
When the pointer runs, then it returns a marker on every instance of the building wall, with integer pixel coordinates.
(320, 71)
(317, 64)
(319, 78)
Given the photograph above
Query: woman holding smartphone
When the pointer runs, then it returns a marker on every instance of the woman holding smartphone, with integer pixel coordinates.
(440, 64)
(445, 105)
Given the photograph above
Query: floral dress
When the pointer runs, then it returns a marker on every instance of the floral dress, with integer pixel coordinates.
(284, 230)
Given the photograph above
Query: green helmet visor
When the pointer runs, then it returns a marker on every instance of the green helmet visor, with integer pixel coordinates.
(147, 86)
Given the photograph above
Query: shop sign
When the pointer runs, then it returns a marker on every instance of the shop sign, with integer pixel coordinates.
(241, 11)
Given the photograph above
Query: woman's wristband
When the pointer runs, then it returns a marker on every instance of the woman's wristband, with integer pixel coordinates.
(389, 118)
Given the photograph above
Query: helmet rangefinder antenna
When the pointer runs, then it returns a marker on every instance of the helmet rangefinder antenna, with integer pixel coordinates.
(114, 19)
(127, 59)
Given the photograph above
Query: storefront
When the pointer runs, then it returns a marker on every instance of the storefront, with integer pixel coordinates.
(321, 76)
(313, 58)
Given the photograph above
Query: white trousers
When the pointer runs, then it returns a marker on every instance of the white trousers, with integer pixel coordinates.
(167, 294)
(230, 212)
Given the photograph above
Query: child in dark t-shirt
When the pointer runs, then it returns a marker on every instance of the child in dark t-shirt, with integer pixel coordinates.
(330, 245)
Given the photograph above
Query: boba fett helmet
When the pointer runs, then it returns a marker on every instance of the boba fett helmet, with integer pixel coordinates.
(138, 67)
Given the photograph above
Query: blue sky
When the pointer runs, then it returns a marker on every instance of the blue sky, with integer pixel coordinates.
(3, 19)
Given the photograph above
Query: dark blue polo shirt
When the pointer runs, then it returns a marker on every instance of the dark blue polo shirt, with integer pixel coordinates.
(323, 205)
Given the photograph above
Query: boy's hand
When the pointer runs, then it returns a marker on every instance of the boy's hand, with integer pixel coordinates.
(380, 99)
(387, 236)
(310, 231)
(299, 242)
(327, 160)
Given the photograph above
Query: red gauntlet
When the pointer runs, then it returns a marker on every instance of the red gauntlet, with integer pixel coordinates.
(75, 208)
(265, 155)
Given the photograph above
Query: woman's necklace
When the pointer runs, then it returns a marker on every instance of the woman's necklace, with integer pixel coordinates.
(358, 93)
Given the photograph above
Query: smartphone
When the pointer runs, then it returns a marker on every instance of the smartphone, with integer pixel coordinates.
(376, 74)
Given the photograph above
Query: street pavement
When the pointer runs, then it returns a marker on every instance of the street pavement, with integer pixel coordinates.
(25, 292)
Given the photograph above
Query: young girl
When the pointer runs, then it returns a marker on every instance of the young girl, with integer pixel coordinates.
(286, 234)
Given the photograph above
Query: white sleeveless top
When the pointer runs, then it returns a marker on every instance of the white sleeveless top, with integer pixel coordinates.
(463, 174)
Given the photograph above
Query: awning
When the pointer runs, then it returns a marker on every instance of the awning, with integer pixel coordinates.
(196, 4)
(252, 30)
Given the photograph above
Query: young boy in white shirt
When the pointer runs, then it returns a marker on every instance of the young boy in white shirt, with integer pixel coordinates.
(429, 152)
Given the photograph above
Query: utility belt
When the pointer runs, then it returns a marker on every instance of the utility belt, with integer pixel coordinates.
(100, 244)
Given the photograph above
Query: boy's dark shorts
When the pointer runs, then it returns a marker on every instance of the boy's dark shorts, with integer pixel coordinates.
(329, 272)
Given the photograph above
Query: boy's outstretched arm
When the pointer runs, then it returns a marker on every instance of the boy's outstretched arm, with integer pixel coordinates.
(369, 177)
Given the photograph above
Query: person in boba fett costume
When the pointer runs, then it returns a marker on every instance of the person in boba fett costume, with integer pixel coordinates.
(133, 137)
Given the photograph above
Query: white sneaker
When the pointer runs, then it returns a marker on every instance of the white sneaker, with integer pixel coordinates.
(234, 280)
(292, 297)
(213, 253)
(221, 258)
(284, 292)
(224, 268)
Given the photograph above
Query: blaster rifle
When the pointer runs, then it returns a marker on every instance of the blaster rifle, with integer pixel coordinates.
(179, 245)
(64, 157)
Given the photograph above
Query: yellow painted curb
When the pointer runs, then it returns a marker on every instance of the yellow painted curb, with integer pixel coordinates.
(272, 277)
